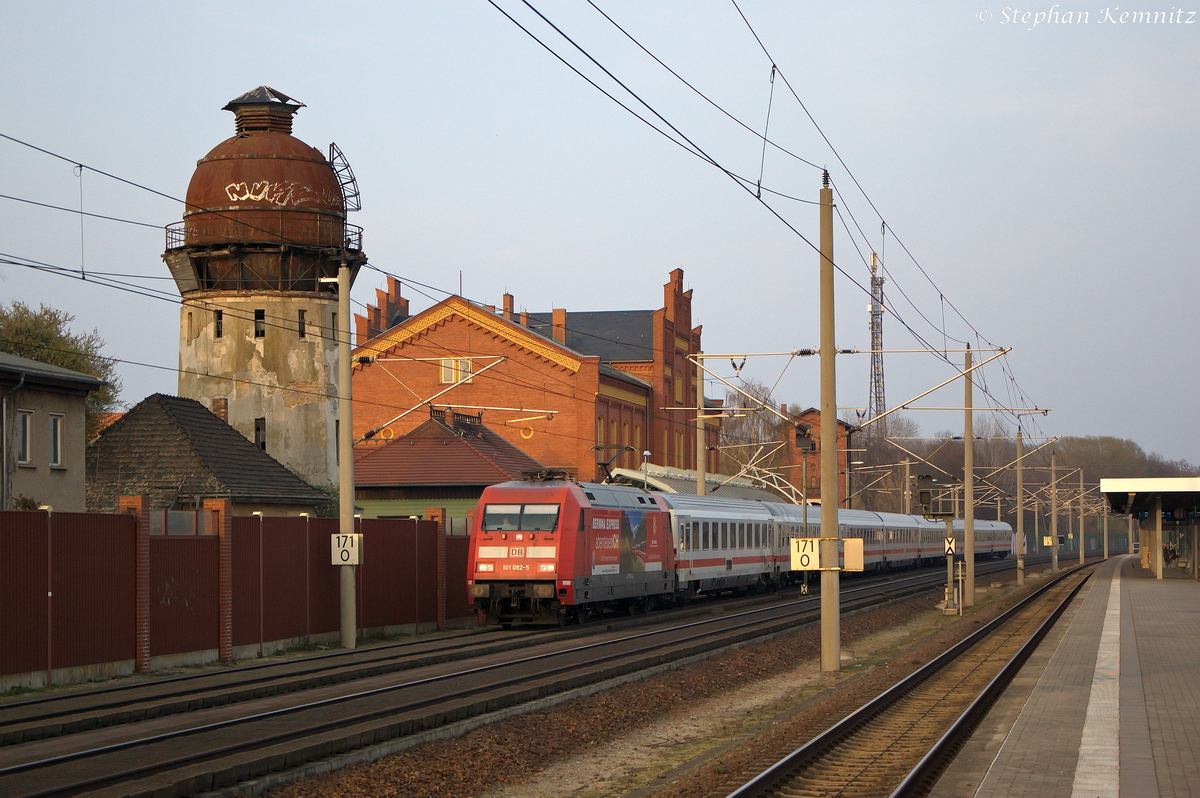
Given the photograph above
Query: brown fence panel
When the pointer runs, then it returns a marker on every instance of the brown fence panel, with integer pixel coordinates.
(387, 584)
(324, 579)
(285, 566)
(94, 577)
(458, 603)
(245, 581)
(397, 583)
(183, 594)
(23, 618)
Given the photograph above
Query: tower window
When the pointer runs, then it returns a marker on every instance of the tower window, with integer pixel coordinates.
(260, 433)
(300, 322)
(218, 323)
(260, 323)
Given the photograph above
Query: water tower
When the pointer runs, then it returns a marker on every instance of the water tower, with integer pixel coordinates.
(256, 260)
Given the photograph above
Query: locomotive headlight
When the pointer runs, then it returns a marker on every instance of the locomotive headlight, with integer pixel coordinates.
(485, 566)
(546, 567)
(481, 591)
(543, 591)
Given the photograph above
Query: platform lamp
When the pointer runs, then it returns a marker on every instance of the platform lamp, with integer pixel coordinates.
(646, 471)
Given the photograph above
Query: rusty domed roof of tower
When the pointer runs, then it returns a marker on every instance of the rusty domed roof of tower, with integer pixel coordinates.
(264, 184)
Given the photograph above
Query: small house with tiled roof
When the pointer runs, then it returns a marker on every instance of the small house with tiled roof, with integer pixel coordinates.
(178, 453)
(445, 463)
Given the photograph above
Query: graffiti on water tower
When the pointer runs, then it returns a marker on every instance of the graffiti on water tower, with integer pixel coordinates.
(279, 193)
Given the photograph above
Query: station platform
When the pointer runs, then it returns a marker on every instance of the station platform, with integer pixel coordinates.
(1109, 704)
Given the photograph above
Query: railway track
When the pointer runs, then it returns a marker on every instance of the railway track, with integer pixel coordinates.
(188, 735)
(897, 744)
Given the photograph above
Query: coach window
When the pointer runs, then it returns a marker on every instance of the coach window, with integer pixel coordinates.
(704, 540)
(695, 535)
(724, 535)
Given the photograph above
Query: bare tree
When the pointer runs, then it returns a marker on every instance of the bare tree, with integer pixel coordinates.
(754, 433)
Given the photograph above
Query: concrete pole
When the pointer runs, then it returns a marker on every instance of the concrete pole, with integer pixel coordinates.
(701, 448)
(345, 444)
(1104, 524)
(1053, 515)
(1081, 518)
(1020, 509)
(831, 621)
(1157, 554)
(950, 602)
(804, 493)
(968, 484)
(907, 487)
(1195, 548)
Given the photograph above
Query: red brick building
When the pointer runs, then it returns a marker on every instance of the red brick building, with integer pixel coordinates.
(793, 468)
(567, 388)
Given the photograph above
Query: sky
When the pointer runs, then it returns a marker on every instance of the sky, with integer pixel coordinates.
(1036, 170)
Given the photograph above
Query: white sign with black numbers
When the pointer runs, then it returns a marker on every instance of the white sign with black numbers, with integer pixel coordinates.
(346, 549)
(806, 554)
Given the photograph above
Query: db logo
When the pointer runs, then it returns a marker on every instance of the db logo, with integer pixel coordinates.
(516, 551)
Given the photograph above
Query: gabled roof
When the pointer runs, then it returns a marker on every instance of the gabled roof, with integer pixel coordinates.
(817, 412)
(457, 306)
(167, 444)
(436, 453)
(45, 375)
(614, 335)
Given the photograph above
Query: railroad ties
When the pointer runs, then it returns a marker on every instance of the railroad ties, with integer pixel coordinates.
(899, 743)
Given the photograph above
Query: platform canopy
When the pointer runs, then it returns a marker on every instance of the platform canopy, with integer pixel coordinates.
(1180, 495)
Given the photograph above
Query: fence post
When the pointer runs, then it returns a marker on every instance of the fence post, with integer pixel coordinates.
(139, 508)
(223, 508)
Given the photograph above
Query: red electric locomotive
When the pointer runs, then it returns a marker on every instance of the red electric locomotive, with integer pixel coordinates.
(549, 551)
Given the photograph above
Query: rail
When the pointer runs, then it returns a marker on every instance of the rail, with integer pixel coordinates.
(916, 781)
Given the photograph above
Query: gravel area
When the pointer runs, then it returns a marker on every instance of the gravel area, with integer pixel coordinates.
(679, 734)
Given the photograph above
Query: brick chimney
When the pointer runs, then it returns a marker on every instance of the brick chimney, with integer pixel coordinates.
(508, 306)
(558, 322)
(524, 318)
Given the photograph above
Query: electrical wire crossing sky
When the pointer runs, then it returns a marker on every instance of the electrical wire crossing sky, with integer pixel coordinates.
(1025, 183)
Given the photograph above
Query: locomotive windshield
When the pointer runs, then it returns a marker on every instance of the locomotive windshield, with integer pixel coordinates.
(523, 517)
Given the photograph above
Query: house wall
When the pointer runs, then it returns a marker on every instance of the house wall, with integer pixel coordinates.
(288, 380)
(594, 410)
(534, 375)
(794, 458)
(62, 487)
